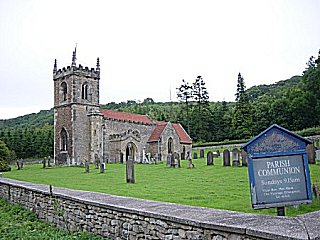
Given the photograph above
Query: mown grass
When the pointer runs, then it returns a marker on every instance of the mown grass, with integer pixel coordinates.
(19, 223)
(206, 186)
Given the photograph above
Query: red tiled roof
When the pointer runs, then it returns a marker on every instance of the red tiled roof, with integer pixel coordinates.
(126, 116)
(155, 135)
(184, 137)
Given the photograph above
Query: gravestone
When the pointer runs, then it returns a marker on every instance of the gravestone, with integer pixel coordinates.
(18, 165)
(102, 167)
(195, 155)
(190, 164)
(235, 157)
(317, 142)
(130, 170)
(169, 160)
(244, 157)
(175, 160)
(49, 159)
(318, 155)
(201, 153)
(44, 162)
(209, 158)
(86, 165)
(226, 158)
(311, 153)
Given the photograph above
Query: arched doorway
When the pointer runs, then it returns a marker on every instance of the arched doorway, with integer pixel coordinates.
(131, 151)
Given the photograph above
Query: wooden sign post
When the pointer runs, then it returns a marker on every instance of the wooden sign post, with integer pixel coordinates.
(278, 169)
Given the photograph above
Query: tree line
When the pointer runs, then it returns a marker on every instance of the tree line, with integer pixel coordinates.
(293, 104)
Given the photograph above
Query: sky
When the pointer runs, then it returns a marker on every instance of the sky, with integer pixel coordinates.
(147, 47)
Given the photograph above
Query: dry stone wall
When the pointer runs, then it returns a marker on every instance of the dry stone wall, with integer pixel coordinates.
(129, 218)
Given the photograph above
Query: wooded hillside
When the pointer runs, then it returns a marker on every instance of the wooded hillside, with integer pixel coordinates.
(293, 103)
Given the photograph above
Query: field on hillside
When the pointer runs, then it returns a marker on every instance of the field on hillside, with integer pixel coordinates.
(206, 186)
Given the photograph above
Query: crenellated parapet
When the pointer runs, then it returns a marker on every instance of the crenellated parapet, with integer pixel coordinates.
(76, 70)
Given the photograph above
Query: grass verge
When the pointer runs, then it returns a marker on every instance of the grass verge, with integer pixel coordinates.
(206, 186)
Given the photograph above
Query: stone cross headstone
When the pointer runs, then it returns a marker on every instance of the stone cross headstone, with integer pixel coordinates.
(201, 153)
(244, 157)
(235, 157)
(86, 164)
(311, 154)
(209, 158)
(226, 158)
(195, 155)
(102, 167)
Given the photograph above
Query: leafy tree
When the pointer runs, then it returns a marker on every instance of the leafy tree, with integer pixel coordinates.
(201, 113)
(242, 117)
(184, 94)
(4, 157)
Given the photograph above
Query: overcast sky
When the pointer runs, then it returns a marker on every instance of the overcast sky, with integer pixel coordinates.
(147, 47)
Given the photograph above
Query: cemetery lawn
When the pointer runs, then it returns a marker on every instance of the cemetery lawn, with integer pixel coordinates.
(206, 186)
(19, 223)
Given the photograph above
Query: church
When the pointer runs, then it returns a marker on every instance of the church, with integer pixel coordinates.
(84, 132)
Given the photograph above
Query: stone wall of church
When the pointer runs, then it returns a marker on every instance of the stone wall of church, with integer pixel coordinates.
(62, 120)
(117, 137)
(168, 133)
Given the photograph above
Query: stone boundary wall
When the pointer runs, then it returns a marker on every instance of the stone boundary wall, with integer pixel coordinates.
(118, 217)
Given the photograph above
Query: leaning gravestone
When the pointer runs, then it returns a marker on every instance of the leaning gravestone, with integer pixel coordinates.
(226, 158)
(195, 155)
(244, 157)
(235, 157)
(209, 158)
(311, 154)
(201, 153)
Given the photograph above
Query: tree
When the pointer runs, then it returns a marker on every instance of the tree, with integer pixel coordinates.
(184, 94)
(4, 157)
(242, 118)
(201, 113)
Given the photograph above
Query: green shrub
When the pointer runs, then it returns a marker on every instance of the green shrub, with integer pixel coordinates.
(4, 166)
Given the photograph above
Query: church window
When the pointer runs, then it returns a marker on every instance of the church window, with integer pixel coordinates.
(85, 88)
(64, 140)
(170, 145)
(64, 90)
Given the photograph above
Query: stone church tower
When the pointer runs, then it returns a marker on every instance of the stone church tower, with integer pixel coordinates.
(78, 127)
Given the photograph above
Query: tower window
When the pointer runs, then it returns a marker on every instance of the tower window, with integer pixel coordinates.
(64, 90)
(63, 140)
(85, 88)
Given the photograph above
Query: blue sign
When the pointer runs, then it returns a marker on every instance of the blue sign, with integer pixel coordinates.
(278, 169)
